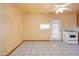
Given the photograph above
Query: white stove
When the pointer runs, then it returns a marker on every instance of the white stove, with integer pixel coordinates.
(70, 36)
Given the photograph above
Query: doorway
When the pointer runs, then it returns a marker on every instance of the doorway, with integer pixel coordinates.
(56, 29)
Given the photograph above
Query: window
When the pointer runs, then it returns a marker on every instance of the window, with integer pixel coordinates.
(44, 26)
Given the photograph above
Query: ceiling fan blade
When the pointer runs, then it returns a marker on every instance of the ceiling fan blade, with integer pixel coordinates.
(65, 4)
(52, 9)
(57, 5)
(66, 9)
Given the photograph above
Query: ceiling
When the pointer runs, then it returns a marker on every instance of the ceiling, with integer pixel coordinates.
(45, 7)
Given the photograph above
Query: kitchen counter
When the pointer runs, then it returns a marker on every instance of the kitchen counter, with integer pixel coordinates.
(71, 29)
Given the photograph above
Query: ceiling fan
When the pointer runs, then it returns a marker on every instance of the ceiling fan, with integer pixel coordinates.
(60, 7)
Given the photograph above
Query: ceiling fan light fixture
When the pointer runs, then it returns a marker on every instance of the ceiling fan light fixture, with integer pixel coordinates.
(57, 11)
(60, 10)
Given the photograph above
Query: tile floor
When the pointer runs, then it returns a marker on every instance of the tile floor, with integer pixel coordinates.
(46, 48)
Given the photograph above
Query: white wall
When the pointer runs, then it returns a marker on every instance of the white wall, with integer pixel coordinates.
(11, 28)
(1, 30)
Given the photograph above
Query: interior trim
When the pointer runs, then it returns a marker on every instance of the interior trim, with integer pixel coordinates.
(15, 48)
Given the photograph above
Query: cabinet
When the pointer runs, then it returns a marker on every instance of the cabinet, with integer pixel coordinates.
(78, 25)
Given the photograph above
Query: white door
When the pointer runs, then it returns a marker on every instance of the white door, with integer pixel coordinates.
(56, 33)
